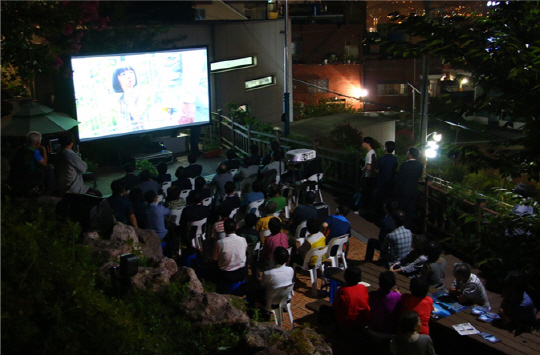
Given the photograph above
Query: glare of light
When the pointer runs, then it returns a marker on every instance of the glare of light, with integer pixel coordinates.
(358, 92)
(437, 137)
(431, 153)
(464, 81)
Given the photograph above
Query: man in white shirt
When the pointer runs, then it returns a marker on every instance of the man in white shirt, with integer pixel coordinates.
(369, 176)
(230, 254)
(276, 164)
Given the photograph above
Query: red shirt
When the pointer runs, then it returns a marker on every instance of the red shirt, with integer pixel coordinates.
(422, 306)
(351, 307)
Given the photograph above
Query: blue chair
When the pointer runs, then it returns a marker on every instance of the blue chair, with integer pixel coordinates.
(191, 261)
(234, 288)
(331, 283)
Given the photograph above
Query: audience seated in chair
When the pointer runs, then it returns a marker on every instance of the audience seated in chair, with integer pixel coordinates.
(202, 188)
(314, 239)
(194, 211)
(255, 195)
(231, 199)
(337, 225)
(254, 157)
(193, 169)
(410, 341)
(182, 182)
(230, 255)
(303, 212)
(274, 240)
(418, 301)
(274, 147)
(247, 170)
(173, 200)
(233, 161)
(139, 206)
(248, 231)
(162, 176)
(262, 223)
(413, 262)
(130, 179)
(147, 183)
(384, 304)
(467, 287)
(121, 206)
(350, 308)
(223, 211)
(276, 164)
(274, 195)
(223, 176)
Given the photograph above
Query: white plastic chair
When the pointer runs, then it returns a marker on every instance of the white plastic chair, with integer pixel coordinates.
(177, 213)
(184, 194)
(317, 179)
(207, 201)
(233, 213)
(265, 233)
(338, 242)
(234, 171)
(192, 180)
(165, 186)
(316, 252)
(200, 233)
(255, 205)
(301, 232)
(160, 198)
(279, 299)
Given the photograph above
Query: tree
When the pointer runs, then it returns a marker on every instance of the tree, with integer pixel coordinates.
(502, 52)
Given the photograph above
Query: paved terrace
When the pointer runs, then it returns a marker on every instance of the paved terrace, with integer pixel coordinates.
(361, 231)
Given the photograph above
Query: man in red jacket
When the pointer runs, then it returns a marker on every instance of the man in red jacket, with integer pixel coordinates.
(351, 304)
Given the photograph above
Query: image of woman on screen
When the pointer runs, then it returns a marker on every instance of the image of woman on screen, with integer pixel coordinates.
(132, 108)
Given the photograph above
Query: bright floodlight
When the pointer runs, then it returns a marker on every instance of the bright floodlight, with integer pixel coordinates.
(464, 81)
(360, 92)
(437, 137)
(431, 153)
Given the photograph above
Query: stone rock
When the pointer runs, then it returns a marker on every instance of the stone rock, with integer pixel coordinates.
(169, 266)
(211, 308)
(187, 275)
(104, 270)
(105, 250)
(258, 336)
(151, 279)
(150, 243)
(123, 232)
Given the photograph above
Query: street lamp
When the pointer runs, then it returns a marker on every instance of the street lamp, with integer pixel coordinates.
(432, 145)
(359, 93)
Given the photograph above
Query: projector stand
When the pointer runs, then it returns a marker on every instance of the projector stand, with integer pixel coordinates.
(165, 156)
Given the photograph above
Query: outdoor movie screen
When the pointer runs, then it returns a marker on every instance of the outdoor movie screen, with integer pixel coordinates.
(132, 93)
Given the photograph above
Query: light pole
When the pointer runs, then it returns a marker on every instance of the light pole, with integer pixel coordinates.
(413, 106)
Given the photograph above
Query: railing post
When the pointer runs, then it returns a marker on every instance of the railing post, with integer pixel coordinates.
(220, 112)
(233, 139)
(480, 203)
(249, 136)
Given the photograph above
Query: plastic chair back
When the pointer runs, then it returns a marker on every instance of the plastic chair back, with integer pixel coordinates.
(165, 186)
(315, 252)
(277, 300)
(197, 233)
(336, 245)
(177, 213)
(184, 194)
(207, 201)
(192, 180)
(253, 207)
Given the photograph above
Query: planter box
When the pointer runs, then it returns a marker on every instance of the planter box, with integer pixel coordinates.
(212, 153)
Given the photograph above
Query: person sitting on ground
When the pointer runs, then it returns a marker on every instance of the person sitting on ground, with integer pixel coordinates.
(121, 206)
(351, 304)
(70, 168)
(413, 262)
(337, 225)
(386, 227)
(130, 179)
(233, 162)
(274, 195)
(248, 170)
(231, 199)
(262, 223)
(276, 164)
(139, 206)
(193, 170)
(155, 215)
(223, 176)
(147, 184)
(517, 309)
(274, 147)
(182, 182)
(410, 341)
(433, 269)
(274, 240)
(248, 231)
(418, 301)
(525, 191)
(162, 176)
(467, 287)
(398, 241)
(27, 167)
(230, 255)
(303, 212)
(173, 200)
(256, 194)
(202, 188)
(224, 211)
(384, 304)
(254, 157)
(314, 239)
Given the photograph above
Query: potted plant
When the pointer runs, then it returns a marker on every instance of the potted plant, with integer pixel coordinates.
(211, 149)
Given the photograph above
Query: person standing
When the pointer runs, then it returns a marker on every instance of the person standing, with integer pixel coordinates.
(70, 168)
(369, 174)
(386, 171)
(406, 184)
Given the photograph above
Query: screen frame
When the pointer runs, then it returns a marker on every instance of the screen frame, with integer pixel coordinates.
(143, 52)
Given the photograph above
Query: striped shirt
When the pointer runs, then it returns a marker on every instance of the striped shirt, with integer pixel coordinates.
(474, 290)
(399, 244)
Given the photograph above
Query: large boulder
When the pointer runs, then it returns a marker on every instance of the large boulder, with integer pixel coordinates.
(150, 243)
(151, 279)
(106, 250)
(168, 266)
(211, 308)
(187, 275)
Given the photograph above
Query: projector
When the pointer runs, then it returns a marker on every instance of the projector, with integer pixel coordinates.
(300, 155)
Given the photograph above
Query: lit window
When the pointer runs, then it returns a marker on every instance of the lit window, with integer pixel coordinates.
(260, 82)
(391, 89)
(235, 64)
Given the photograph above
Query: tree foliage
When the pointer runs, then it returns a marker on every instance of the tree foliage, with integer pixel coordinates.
(502, 52)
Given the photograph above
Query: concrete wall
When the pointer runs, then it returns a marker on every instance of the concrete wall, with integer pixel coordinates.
(382, 132)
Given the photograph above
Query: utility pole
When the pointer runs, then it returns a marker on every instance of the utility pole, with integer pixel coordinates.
(414, 90)
(286, 94)
(424, 89)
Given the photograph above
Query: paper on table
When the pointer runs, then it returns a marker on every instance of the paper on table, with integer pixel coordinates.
(465, 329)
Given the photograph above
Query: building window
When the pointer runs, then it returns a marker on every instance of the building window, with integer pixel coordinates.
(319, 86)
(392, 89)
(234, 64)
(260, 82)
